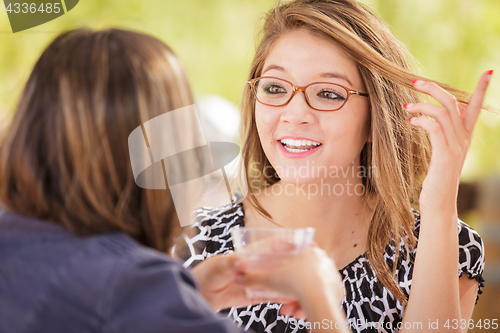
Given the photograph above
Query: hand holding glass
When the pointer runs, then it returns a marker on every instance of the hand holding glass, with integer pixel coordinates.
(267, 249)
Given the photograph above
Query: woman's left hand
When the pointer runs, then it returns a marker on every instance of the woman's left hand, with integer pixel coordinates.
(450, 136)
(218, 282)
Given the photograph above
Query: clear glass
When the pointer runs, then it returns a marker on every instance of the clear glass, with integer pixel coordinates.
(321, 96)
(268, 248)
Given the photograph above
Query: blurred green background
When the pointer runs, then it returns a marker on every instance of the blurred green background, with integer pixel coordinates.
(454, 40)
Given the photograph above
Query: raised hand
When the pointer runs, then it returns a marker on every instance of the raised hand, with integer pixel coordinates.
(450, 136)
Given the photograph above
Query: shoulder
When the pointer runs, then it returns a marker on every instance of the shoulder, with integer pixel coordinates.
(128, 265)
(214, 217)
(148, 291)
(216, 224)
(107, 283)
(471, 252)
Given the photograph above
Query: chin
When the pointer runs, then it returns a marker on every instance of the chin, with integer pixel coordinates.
(294, 177)
(298, 181)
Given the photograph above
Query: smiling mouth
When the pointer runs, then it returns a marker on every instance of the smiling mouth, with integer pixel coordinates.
(299, 146)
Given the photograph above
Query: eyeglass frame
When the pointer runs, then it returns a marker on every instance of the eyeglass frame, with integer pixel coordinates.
(303, 90)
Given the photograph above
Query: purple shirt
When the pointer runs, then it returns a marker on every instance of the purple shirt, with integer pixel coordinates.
(53, 281)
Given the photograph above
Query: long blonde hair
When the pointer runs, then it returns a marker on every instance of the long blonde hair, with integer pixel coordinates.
(65, 157)
(400, 153)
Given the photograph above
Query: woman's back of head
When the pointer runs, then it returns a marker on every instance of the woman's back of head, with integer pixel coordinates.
(65, 157)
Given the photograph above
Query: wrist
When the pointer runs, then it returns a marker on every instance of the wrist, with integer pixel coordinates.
(446, 215)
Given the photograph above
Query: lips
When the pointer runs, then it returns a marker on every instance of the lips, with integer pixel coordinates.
(298, 146)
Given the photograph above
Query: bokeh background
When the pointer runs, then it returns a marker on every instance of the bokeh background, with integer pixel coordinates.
(454, 41)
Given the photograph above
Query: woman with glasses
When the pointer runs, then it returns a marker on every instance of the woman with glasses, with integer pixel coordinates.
(337, 136)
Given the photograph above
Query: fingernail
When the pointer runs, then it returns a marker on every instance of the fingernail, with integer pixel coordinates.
(409, 119)
(416, 82)
(490, 72)
(408, 105)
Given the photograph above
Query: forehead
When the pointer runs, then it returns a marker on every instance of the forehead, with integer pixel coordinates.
(303, 56)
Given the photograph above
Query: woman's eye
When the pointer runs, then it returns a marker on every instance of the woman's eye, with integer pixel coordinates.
(330, 95)
(274, 89)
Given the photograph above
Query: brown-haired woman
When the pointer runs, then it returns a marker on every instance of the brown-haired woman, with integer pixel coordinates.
(327, 144)
(83, 248)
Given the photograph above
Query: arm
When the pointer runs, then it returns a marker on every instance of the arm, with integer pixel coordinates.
(151, 293)
(436, 293)
(435, 285)
(460, 293)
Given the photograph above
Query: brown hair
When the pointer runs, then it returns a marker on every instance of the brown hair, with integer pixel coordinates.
(65, 158)
(400, 153)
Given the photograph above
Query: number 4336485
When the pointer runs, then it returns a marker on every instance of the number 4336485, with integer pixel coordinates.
(463, 324)
(32, 8)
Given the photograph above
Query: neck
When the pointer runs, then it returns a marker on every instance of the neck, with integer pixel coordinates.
(340, 215)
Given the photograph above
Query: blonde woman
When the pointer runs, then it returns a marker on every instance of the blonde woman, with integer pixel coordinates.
(336, 135)
(83, 248)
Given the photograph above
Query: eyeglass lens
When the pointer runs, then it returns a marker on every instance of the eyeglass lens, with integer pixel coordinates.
(321, 96)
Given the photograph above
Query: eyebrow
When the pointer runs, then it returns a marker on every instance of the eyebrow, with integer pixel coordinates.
(330, 75)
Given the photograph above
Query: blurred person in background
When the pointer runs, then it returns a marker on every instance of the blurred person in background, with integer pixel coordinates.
(83, 248)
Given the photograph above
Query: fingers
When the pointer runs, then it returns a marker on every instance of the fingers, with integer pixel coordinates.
(451, 133)
(222, 264)
(292, 309)
(463, 120)
(219, 270)
(272, 245)
(476, 102)
(436, 135)
(445, 98)
(232, 262)
(283, 301)
(255, 279)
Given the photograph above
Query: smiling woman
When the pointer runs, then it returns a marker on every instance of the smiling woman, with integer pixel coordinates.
(330, 86)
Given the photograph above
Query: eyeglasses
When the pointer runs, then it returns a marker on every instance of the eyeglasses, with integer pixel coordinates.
(320, 96)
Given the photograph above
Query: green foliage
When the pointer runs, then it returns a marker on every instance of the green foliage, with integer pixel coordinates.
(454, 40)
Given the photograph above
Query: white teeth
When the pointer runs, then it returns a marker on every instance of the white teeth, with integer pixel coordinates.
(287, 143)
(296, 150)
(299, 143)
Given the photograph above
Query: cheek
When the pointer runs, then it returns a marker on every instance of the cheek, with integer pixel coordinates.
(266, 124)
(346, 135)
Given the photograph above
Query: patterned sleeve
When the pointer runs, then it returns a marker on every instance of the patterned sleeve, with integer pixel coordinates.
(471, 252)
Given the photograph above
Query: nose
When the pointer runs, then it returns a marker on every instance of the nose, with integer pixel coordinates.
(298, 111)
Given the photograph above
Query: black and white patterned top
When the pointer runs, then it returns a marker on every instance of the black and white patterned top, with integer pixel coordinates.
(368, 305)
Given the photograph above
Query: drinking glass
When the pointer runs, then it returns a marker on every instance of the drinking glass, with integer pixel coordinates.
(267, 249)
